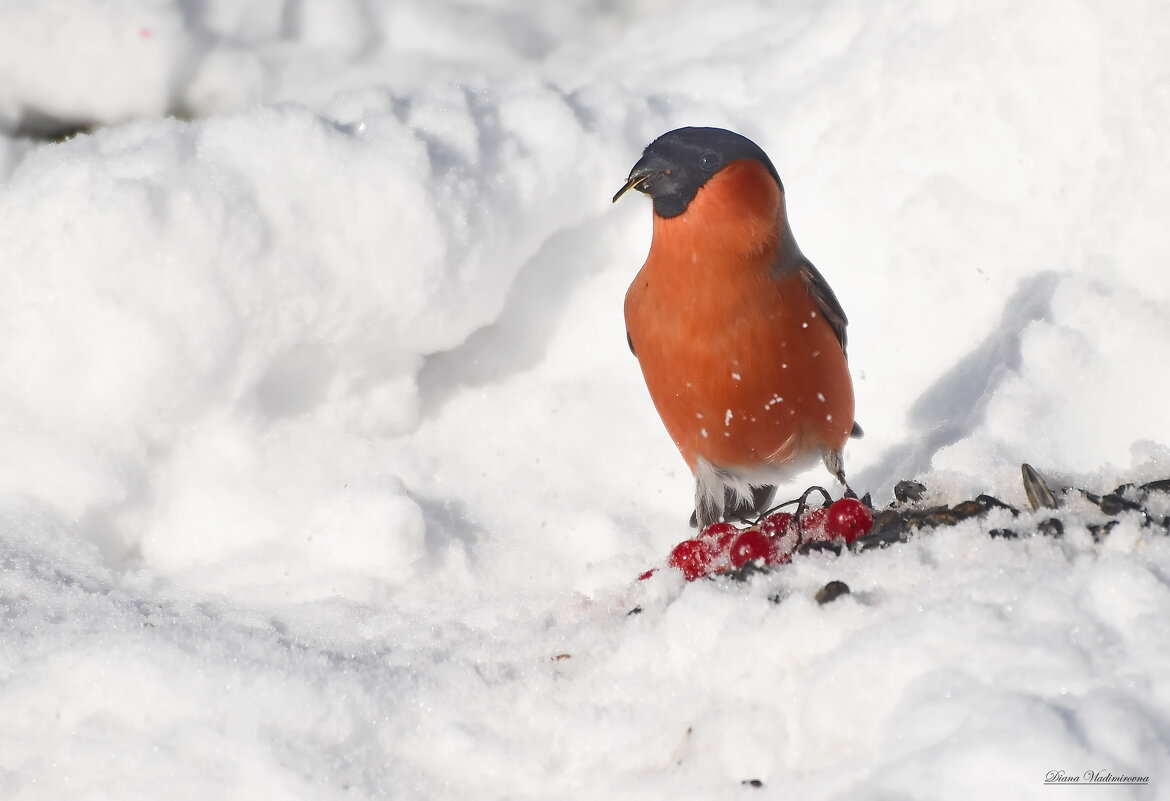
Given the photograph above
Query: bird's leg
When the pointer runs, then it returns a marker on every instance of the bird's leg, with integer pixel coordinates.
(835, 462)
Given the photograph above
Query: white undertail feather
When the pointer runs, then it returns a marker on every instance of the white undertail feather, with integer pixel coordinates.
(712, 482)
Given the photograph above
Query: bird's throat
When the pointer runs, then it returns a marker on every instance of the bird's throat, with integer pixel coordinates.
(737, 215)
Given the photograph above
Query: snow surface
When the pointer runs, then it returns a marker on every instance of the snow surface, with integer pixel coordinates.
(327, 471)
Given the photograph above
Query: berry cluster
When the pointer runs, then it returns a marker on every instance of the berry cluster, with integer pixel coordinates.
(770, 541)
(851, 522)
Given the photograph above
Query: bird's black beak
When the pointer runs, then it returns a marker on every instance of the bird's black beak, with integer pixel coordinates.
(638, 177)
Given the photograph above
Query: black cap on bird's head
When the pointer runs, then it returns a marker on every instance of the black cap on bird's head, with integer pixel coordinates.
(675, 165)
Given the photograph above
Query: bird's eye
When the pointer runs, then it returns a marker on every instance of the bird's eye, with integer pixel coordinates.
(709, 161)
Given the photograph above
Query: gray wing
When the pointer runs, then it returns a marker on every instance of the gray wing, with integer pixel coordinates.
(826, 301)
(830, 307)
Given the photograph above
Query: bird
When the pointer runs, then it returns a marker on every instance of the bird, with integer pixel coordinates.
(740, 339)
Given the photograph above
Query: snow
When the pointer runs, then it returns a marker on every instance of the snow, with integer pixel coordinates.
(328, 471)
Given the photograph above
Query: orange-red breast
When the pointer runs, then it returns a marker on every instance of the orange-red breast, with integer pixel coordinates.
(741, 341)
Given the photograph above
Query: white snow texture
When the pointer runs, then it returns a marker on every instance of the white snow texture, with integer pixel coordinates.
(327, 472)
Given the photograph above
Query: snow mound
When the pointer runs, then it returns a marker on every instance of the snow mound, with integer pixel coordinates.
(242, 306)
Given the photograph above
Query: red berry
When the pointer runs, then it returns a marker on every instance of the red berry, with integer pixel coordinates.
(776, 524)
(749, 545)
(719, 533)
(718, 537)
(692, 557)
(812, 525)
(848, 518)
(779, 529)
